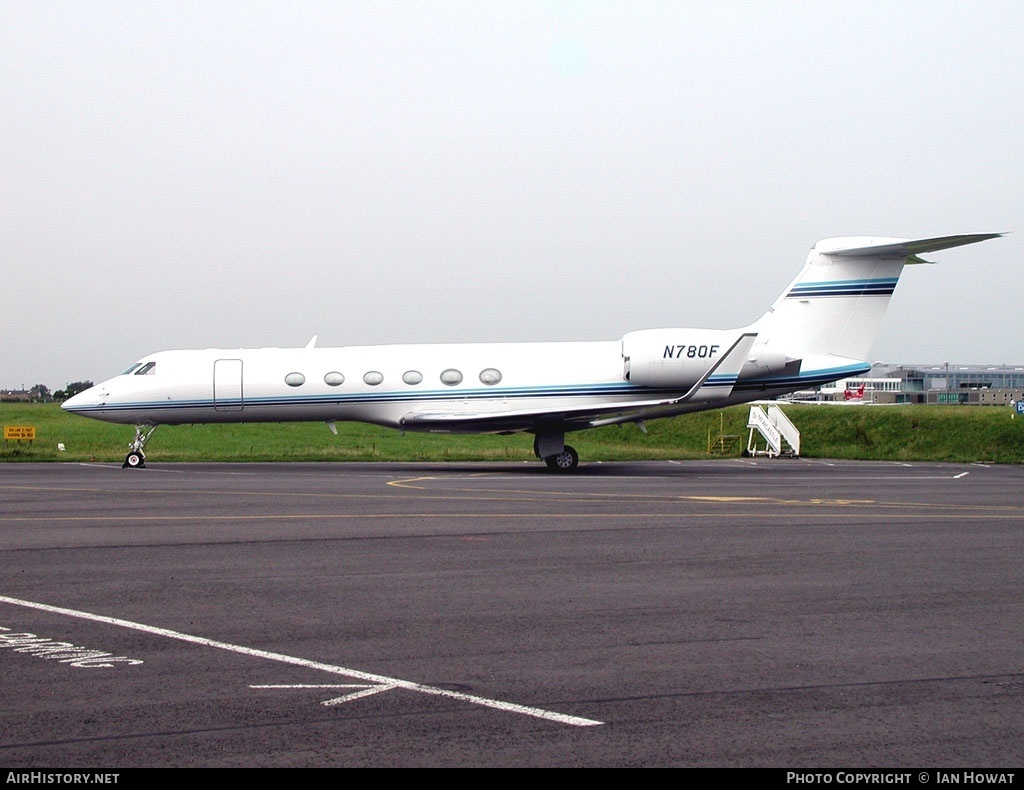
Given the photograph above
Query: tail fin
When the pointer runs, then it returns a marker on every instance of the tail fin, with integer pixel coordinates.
(834, 307)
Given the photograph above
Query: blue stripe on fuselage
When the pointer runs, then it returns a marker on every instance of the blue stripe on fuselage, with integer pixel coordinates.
(877, 287)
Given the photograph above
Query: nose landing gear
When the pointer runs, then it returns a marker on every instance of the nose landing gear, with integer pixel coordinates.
(136, 458)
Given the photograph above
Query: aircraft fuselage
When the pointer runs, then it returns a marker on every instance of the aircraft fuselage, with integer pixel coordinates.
(410, 387)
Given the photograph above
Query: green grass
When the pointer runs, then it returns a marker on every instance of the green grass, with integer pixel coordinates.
(890, 433)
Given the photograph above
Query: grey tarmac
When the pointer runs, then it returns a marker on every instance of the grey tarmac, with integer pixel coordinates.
(784, 613)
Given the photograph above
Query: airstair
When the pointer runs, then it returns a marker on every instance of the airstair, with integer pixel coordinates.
(781, 436)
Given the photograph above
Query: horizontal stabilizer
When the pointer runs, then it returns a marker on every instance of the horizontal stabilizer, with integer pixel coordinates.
(901, 248)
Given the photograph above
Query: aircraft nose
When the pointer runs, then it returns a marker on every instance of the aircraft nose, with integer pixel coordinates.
(86, 400)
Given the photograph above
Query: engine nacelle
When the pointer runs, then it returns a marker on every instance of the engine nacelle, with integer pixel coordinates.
(763, 363)
(675, 358)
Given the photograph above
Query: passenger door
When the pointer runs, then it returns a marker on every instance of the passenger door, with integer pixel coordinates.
(227, 385)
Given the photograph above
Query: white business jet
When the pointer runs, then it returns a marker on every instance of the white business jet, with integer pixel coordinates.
(818, 330)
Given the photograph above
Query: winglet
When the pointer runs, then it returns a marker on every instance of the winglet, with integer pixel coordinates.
(719, 381)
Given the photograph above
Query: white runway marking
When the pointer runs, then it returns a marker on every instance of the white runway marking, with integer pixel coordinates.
(377, 682)
(356, 695)
(364, 690)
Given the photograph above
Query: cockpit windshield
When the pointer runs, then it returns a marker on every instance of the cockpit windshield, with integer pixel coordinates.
(141, 369)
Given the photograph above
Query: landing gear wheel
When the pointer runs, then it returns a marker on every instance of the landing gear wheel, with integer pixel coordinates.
(134, 460)
(565, 461)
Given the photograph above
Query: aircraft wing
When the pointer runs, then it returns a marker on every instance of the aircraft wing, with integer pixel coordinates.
(498, 421)
(716, 384)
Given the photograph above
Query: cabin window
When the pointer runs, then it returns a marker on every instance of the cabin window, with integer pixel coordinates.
(373, 377)
(148, 369)
(412, 377)
(490, 376)
(451, 377)
(334, 378)
(294, 379)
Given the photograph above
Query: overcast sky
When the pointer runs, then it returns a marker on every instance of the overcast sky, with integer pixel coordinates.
(195, 174)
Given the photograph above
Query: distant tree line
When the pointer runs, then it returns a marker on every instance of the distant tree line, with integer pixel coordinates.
(40, 393)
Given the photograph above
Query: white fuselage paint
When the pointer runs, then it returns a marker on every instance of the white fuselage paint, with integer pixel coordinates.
(251, 385)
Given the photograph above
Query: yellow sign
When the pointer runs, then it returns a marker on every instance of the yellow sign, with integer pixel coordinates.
(20, 432)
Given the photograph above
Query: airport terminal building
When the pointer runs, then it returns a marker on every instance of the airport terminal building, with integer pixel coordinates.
(943, 383)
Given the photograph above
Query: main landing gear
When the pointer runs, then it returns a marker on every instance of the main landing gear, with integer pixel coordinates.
(552, 449)
(565, 461)
(136, 458)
